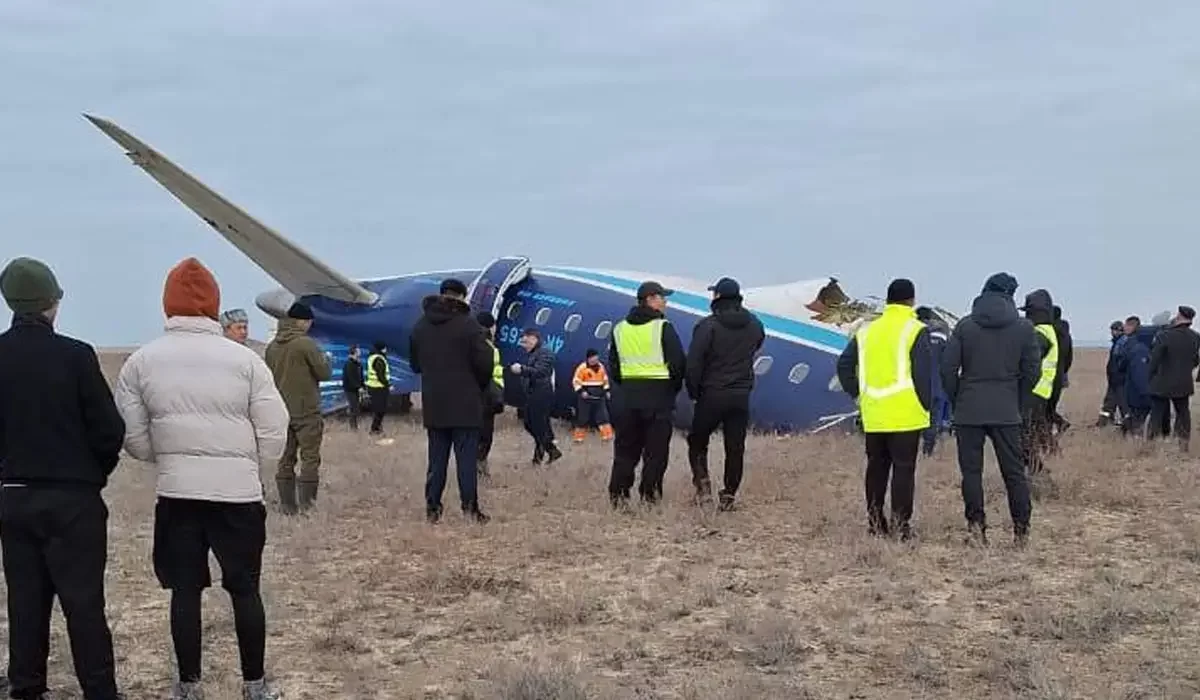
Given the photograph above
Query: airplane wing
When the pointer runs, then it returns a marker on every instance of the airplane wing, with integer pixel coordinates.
(294, 268)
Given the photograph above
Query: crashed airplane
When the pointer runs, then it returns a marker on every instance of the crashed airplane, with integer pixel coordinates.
(807, 323)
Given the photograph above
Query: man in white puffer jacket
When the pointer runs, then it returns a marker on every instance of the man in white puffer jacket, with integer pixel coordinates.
(206, 412)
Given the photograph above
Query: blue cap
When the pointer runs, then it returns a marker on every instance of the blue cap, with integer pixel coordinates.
(726, 288)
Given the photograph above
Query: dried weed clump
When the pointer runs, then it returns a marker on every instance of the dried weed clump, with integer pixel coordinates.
(560, 599)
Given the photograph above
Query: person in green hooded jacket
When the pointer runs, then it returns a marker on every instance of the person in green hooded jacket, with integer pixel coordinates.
(299, 366)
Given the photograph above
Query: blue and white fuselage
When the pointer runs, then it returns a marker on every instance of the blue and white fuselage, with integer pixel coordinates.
(796, 386)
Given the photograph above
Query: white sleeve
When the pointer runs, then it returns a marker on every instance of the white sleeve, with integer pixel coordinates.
(128, 397)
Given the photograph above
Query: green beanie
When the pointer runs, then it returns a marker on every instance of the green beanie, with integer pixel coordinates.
(29, 286)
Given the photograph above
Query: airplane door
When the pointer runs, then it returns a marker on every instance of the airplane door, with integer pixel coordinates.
(486, 292)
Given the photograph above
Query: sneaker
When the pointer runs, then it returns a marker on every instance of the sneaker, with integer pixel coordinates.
(260, 690)
(187, 691)
(726, 502)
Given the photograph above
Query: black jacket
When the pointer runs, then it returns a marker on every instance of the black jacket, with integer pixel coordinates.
(352, 375)
(720, 358)
(1066, 349)
(59, 426)
(537, 374)
(449, 350)
(649, 394)
(991, 363)
(1175, 354)
(920, 360)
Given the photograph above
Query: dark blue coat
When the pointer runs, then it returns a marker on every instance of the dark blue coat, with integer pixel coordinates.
(1135, 361)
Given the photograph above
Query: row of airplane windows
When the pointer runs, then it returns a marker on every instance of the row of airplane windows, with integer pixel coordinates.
(762, 365)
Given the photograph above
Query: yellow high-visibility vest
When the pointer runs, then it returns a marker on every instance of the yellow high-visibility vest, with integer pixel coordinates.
(640, 351)
(1045, 385)
(374, 381)
(497, 368)
(887, 398)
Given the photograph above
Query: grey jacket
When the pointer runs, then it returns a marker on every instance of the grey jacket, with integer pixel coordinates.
(991, 363)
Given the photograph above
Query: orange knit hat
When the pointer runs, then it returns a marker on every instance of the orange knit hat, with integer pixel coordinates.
(191, 290)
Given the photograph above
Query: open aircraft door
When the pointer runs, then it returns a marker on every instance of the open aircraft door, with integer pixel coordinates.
(486, 292)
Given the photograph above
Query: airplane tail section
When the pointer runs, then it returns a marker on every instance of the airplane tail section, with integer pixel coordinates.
(294, 268)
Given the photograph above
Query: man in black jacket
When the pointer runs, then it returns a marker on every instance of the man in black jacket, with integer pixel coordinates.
(1038, 426)
(720, 377)
(352, 384)
(989, 369)
(449, 350)
(536, 374)
(1174, 357)
(1111, 407)
(60, 439)
(647, 366)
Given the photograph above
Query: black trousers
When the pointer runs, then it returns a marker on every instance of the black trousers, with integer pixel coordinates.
(1037, 439)
(537, 421)
(379, 404)
(185, 531)
(1113, 404)
(464, 442)
(1052, 413)
(640, 435)
(487, 432)
(353, 408)
(1160, 417)
(1135, 421)
(1006, 443)
(730, 412)
(56, 544)
(894, 455)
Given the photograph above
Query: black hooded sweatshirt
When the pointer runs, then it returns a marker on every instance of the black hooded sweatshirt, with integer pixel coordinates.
(449, 349)
(991, 363)
(720, 358)
(649, 394)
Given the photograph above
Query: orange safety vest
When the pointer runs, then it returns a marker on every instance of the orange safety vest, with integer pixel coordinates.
(594, 379)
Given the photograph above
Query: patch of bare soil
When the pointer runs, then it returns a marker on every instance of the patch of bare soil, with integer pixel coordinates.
(560, 599)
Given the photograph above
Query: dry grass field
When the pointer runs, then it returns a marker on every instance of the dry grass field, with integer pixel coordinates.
(560, 599)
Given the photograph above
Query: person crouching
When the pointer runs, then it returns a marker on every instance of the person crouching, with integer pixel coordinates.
(591, 387)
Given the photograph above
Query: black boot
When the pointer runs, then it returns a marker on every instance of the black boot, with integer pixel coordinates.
(703, 492)
(554, 454)
(726, 502)
(976, 535)
(307, 493)
(1021, 535)
(538, 454)
(287, 495)
(473, 512)
(433, 514)
(877, 524)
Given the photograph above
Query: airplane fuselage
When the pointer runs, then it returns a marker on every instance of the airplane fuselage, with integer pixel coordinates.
(575, 309)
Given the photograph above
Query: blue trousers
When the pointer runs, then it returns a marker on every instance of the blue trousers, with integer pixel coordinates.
(465, 444)
(939, 420)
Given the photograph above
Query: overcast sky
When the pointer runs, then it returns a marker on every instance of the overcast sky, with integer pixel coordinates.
(772, 140)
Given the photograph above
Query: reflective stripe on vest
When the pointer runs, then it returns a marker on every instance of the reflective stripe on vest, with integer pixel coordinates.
(887, 398)
(1045, 385)
(373, 380)
(639, 350)
(497, 368)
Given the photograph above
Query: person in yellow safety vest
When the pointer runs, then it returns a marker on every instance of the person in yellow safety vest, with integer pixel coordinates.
(647, 364)
(888, 368)
(591, 386)
(1038, 434)
(495, 402)
(378, 386)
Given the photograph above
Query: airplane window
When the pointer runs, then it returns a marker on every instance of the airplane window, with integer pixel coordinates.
(573, 323)
(514, 310)
(543, 315)
(798, 374)
(835, 384)
(763, 364)
(603, 329)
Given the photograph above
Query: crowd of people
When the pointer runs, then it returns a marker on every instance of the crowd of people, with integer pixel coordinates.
(209, 413)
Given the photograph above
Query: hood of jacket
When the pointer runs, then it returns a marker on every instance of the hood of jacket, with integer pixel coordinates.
(441, 309)
(1039, 307)
(994, 310)
(730, 313)
(287, 330)
(642, 314)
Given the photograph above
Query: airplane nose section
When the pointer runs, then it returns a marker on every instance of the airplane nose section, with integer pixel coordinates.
(275, 303)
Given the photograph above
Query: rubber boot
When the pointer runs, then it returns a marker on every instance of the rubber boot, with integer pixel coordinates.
(307, 493)
(579, 435)
(287, 495)
(606, 432)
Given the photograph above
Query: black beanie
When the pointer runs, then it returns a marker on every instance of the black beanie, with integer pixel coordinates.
(300, 312)
(901, 290)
